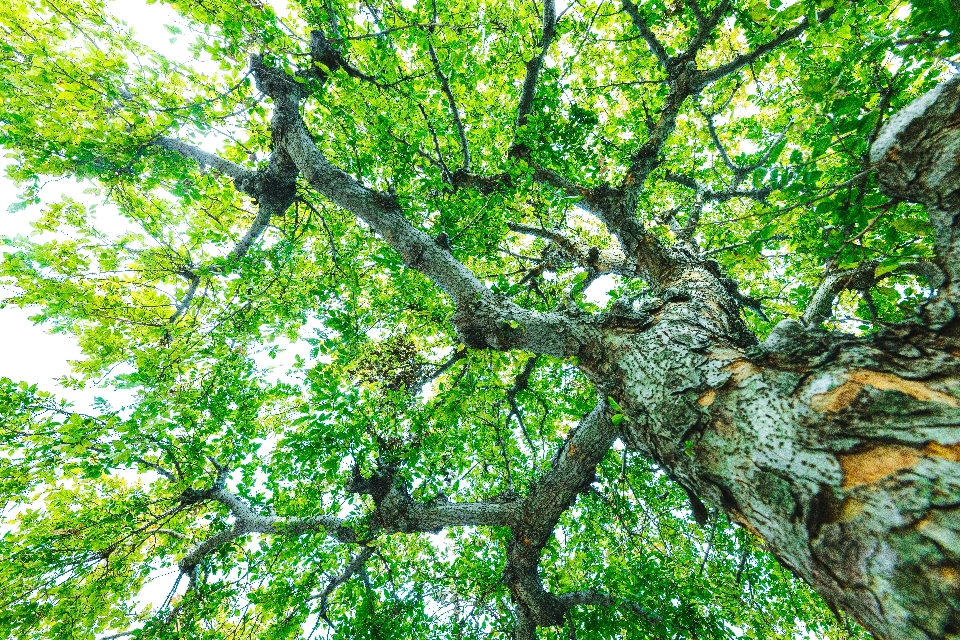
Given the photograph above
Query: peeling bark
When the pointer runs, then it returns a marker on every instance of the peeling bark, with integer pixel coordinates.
(841, 453)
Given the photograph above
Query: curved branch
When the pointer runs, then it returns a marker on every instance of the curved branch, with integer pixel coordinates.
(745, 59)
(601, 261)
(550, 496)
(820, 306)
(246, 521)
(917, 157)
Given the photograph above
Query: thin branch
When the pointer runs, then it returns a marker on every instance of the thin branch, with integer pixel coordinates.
(184, 303)
(246, 521)
(649, 37)
(745, 59)
(548, 31)
(221, 165)
(348, 572)
(452, 104)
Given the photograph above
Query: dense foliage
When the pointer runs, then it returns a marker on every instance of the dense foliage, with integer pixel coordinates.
(184, 286)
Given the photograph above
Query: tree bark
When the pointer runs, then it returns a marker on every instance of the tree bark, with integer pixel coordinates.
(841, 452)
(917, 156)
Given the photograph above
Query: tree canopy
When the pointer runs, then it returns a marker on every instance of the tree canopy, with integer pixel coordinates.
(418, 199)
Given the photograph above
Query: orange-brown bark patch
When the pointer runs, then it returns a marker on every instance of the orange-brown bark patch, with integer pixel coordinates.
(740, 370)
(725, 429)
(946, 451)
(875, 464)
(850, 508)
(742, 520)
(912, 388)
(949, 574)
(836, 399)
(707, 399)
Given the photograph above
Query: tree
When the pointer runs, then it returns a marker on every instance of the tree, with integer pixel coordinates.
(474, 444)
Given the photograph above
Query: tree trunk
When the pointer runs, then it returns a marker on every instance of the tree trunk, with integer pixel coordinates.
(842, 453)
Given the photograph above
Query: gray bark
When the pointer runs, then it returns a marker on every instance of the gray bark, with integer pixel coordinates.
(842, 454)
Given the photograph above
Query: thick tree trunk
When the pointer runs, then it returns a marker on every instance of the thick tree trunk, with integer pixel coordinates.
(842, 454)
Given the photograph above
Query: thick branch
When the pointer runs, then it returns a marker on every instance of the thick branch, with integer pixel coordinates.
(550, 495)
(483, 319)
(396, 511)
(917, 157)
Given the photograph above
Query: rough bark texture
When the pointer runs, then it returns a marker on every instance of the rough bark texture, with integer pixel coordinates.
(843, 454)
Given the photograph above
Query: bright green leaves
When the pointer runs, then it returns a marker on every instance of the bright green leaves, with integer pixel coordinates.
(617, 415)
(166, 310)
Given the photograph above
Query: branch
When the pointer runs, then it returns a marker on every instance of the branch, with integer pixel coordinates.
(452, 104)
(246, 520)
(204, 158)
(395, 511)
(483, 320)
(723, 195)
(598, 598)
(578, 251)
(745, 59)
(273, 188)
(520, 383)
(322, 52)
(917, 157)
(648, 36)
(348, 572)
(705, 26)
(548, 31)
(820, 306)
(550, 495)
(184, 304)
(734, 167)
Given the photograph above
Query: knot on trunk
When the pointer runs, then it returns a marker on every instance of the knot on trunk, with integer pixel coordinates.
(268, 189)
